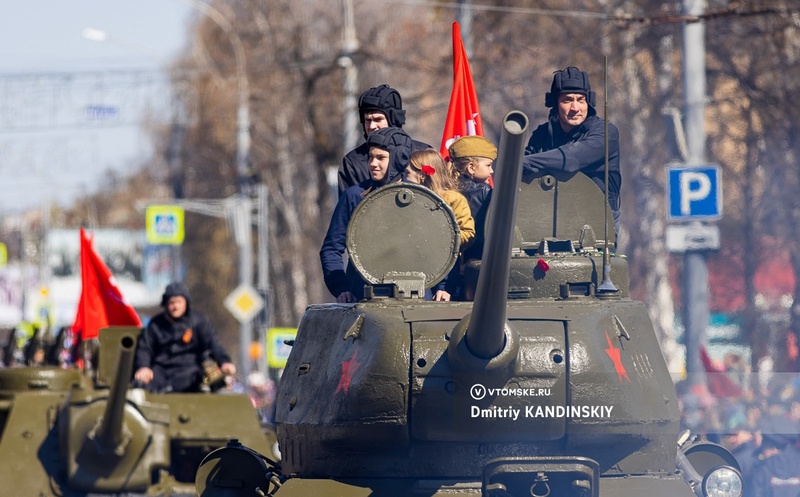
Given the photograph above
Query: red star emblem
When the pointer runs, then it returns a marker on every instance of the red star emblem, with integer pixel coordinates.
(614, 354)
(348, 368)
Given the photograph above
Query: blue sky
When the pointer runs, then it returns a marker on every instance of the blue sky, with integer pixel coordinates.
(44, 155)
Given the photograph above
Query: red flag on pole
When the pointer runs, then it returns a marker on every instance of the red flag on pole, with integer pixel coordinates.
(463, 115)
(101, 303)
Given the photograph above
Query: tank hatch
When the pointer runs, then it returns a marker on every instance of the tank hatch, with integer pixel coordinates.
(562, 207)
(402, 239)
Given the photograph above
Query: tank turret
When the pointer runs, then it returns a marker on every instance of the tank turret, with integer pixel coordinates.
(64, 433)
(108, 444)
(545, 384)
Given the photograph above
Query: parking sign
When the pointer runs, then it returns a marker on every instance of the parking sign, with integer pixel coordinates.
(694, 192)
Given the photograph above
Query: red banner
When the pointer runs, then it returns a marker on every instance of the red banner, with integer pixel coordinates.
(101, 303)
(719, 383)
(463, 115)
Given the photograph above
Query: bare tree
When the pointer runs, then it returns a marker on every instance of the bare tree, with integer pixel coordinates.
(755, 143)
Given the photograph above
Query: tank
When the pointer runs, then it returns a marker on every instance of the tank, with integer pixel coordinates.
(63, 433)
(551, 382)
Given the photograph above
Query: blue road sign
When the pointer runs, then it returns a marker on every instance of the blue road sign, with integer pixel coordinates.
(164, 224)
(694, 192)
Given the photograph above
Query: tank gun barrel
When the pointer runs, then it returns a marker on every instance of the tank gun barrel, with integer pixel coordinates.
(110, 432)
(485, 334)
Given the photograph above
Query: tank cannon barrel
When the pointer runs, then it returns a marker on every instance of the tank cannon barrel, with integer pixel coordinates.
(485, 334)
(110, 433)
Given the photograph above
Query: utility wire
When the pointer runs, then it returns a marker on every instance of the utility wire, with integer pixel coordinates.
(623, 18)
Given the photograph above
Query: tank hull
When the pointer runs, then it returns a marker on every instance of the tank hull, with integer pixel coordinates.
(662, 486)
(578, 387)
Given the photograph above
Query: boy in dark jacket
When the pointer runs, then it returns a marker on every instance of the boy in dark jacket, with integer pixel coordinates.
(390, 151)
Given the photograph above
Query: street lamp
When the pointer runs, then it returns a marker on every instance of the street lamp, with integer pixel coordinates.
(94, 34)
(242, 219)
(243, 111)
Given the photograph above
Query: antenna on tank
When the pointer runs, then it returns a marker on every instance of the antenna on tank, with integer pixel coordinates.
(606, 286)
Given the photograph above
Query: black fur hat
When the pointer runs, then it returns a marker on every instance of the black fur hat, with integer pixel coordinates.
(570, 80)
(397, 143)
(385, 99)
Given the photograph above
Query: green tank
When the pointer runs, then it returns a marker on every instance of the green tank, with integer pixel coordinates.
(550, 383)
(64, 434)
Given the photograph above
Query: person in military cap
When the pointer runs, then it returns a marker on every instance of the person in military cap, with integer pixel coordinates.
(389, 153)
(573, 138)
(472, 158)
(171, 350)
(379, 107)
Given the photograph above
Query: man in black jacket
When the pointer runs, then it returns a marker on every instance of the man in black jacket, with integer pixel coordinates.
(573, 138)
(171, 350)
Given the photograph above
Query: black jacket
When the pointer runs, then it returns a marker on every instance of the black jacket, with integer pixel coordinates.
(776, 476)
(337, 279)
(478, 196)
(175, 349)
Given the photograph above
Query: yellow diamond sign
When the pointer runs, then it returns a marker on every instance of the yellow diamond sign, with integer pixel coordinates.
(244, 303)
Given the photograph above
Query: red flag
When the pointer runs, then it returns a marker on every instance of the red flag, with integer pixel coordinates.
(101, 303)
(463, 115)
(719, 383)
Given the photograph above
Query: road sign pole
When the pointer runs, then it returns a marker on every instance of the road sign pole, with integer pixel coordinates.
(245, 278)
(695, 271)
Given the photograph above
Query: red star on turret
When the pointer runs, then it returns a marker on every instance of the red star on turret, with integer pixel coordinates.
(614, 354)
(348, 368)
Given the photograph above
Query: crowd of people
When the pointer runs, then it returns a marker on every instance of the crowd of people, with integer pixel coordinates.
(756, 418)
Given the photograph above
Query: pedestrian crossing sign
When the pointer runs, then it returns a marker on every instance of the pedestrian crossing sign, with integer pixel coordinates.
(164, 225)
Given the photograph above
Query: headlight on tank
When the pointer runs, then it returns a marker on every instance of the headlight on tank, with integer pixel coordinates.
(722, 481)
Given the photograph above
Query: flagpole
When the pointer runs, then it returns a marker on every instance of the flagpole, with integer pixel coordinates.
(464, 15)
